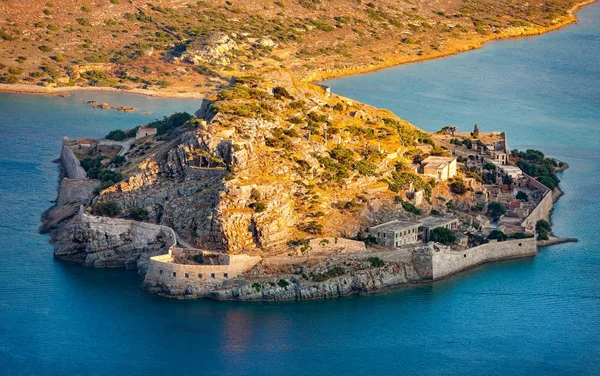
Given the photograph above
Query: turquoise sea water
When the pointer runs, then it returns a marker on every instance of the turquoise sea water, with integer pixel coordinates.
(539, 316)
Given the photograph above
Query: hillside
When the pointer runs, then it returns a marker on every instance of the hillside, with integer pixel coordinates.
(268, 162)
(182, 47)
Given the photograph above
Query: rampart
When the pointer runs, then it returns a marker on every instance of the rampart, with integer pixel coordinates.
(70, 164)
(163, 270)
(543, 209)
(435, 264)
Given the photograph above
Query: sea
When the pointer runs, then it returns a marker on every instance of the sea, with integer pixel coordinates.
(538, 316)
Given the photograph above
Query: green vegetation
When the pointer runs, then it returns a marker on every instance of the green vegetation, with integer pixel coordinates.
(138, 214)
(335, 271)
(116, 135)
(497, 234)
(283, 283)
(376, 262)
(496, 210)
(168, 124)
(522, 196)
(108, 208)
(442, 235)
(409, 207)
(534, 163)
(542, 228)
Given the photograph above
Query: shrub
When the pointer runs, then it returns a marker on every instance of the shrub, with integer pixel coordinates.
(44, 48)
(376, 262)
(15, 70)
(259, 207)
(497, 234)
(109, 208)
(409, 207)
(442, 235)
(313, 227)
(138, 214)
(281, 92)
(459, 187)
(283, 283)
(522, 196)
(199, 258)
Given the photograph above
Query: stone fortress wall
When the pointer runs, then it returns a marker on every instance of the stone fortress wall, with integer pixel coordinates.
(438, 262)
(543, 209)
(70, 164)
(163, 270)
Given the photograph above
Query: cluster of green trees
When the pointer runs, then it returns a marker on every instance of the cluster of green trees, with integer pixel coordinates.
(534, 163)
(442, 235)
(95, 170)
(542, 228)
(501, 236)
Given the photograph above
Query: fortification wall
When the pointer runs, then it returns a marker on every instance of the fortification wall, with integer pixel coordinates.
(541, 211)
(447, 262)
(70, 164)
(162, 271)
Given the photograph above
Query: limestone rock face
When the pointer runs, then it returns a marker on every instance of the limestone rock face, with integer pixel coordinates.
(103, 242)
(213, 48)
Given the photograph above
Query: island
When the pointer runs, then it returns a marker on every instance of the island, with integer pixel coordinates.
(277, 189)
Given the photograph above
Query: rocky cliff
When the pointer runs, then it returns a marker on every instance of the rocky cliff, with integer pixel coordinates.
(110, 242)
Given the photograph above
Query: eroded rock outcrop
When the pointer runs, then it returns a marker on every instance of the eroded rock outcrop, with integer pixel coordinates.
(110, 242)
(212, 48)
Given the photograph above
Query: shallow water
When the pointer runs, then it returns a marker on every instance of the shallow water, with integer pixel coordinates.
(535, 316)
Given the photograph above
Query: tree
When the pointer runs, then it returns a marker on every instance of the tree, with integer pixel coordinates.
(507, 180)
(522, 196)
(496, 209)
(116, 135)
(497, 234)
(442, 235)
(475, 132)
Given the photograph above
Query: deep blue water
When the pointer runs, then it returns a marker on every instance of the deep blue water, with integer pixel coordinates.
(538, 316)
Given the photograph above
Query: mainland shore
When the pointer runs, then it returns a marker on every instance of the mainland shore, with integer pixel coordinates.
(388, 61)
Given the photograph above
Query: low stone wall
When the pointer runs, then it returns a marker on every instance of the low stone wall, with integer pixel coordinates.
(432, 264)
(162, 271)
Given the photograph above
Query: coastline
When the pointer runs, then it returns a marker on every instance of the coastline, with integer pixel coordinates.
(316, 77)
(513, 33)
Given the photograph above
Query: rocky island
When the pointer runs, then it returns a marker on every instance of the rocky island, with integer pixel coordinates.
(277, 189)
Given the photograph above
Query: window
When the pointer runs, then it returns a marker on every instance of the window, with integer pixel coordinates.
(174, 274)
(225, 275)
(187, 275)
(212, 275)
(200, 275)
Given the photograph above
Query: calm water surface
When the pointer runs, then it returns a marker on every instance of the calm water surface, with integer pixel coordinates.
(538, 316)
